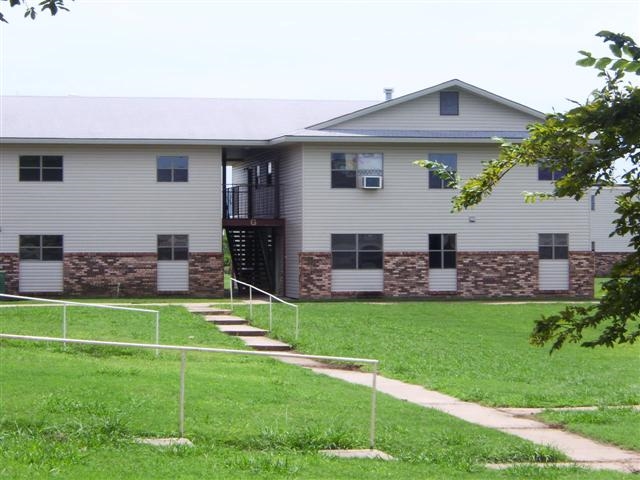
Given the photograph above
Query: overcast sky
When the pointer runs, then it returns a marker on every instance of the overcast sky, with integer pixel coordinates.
(523, 50)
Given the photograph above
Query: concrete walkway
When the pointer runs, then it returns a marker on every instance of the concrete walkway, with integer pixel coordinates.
(582, 451)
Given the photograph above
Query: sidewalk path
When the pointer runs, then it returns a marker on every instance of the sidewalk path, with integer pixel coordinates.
(582, 451)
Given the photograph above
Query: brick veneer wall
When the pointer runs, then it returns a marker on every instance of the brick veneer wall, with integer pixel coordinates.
(100, 273)
(581, 273)
(206, 274)
(604, 262)
(497, 274)
(9, 263)
(406, 274)
(315, 275)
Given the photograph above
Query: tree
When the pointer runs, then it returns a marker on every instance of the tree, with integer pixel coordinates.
(585, 142)
(54, 6)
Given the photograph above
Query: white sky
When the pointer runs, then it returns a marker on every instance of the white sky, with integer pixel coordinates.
(523, 50)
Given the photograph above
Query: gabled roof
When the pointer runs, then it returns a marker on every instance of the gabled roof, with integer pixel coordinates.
(455, 83)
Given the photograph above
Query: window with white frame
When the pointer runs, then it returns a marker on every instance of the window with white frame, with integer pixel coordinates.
(172, 169)
(43, 248)
(348, 168)
(553, 246)
(450, 161)
(545, 172)
(362, 251)
(40, 168)
(173, 247)
(442, 250)
(449, 103)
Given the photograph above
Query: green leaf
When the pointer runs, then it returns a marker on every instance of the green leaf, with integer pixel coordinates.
(616, 50)
(620, 64)
(602, 63)
(632, 67)
(586, 62)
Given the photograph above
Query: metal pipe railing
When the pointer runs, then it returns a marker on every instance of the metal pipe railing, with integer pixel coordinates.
(183, 349)
(271, 297)
(65, 316)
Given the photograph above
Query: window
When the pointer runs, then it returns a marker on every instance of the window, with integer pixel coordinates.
(593, 202)
(173, 247)
(450, 160)
(442, 250)
(45, 248)
(173, 169)
(356, 251)
(269, 173)
(40, 168)
(346, 168)
(553, 246)
(449, 102)
(545, 173)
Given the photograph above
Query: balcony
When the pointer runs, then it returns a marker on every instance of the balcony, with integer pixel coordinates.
(250, 201)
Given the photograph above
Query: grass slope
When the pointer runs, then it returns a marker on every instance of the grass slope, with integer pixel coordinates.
(472, 350)
(74, 414)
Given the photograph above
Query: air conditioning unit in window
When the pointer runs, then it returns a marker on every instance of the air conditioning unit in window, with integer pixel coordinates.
(371, 181)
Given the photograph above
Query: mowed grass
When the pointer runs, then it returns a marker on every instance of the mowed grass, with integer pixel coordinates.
(473, 350)
(74, 413)
(619, 426)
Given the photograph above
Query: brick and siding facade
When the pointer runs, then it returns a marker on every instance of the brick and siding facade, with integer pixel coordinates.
(406, 274)
(9, 263)
(604, 262)
(315, 275)
(110, 274)
(206, 274)
(581, 273)
(497, 274)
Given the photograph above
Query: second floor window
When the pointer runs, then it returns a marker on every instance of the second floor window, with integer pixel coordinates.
(173, 169)
(44, 248)
(545, 172)
(361, 251)
(450, 160)
(173, 247)
(347, 167)
(40, 168)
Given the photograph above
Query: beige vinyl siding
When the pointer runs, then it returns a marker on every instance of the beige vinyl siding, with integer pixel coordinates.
(173, 276)
(602, 222)
(553, 274)
(476, 113)
(40, 277)
(443, 280)
(357, 280)
(290, 170)
(406, 211)
(110, 200)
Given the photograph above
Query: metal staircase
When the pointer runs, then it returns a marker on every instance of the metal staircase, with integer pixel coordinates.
(253, 255)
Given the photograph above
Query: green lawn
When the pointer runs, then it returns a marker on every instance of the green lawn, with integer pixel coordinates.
(74, 413)
(619, 426)
(472, 350)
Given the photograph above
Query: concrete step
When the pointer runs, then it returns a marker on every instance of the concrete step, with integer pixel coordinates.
(265, 344)
(225, 320)
(242, 330)
(209, 311)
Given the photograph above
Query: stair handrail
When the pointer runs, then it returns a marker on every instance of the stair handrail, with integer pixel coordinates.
(271, 298)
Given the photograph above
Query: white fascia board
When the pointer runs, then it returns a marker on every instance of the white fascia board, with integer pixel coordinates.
(312, 139)
(427, 91)
(130, 141)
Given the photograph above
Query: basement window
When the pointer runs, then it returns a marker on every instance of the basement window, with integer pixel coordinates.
(173, 247)
(553, 246)
(442, 250)
(43, 248)
(356, 251)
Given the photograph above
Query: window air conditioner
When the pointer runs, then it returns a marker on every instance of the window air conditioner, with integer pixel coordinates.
(371, 181)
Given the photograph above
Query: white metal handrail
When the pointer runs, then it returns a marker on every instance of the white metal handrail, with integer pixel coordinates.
(183, 349)
(271, 298)
(64, 304)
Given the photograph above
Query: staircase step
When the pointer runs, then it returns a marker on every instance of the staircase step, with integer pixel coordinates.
(242, 330)
(265, 344)
(225, 320)
(209, 311)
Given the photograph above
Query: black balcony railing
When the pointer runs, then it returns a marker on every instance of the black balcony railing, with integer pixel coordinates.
(251, 201)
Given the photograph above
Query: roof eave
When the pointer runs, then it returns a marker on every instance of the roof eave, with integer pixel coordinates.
(132, 141)
(372, 139)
